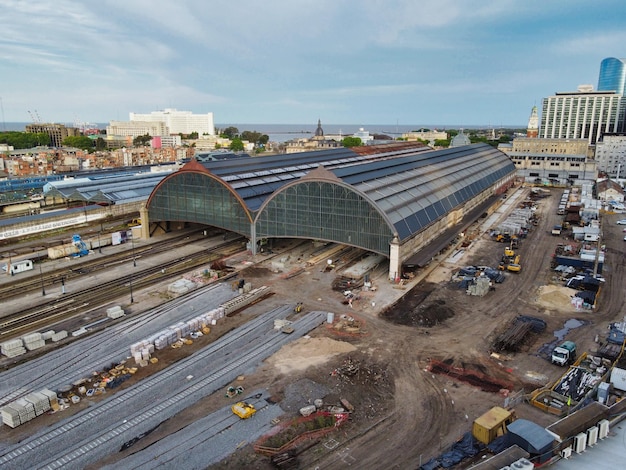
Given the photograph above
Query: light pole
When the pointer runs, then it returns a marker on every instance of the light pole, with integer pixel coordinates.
(99, 245)
(43, 290)
(131, 287)
(132, 244)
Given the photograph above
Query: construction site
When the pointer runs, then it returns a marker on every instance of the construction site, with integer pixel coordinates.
(357, 359)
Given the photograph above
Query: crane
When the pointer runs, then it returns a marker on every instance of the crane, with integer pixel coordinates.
(34, 116)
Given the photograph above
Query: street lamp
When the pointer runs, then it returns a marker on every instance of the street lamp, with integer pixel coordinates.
(43, 290)
(132, 243)
(131, 288)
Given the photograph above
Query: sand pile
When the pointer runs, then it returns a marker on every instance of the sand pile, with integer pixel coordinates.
(556, 297)
(307, 352)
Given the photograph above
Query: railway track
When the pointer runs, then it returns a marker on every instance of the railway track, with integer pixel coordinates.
(20, 285)
(75, 303)
(63, 366)
(75, 442)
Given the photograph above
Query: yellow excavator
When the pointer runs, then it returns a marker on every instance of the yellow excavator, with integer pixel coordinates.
(515, 266)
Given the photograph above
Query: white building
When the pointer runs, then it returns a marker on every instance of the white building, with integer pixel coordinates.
(609, 190)
(364, 135)
(583, 114)
(180, 122)
(137, 128)
(611, 156)
(426, 135)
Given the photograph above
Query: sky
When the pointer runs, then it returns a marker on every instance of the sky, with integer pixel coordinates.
(408, 62)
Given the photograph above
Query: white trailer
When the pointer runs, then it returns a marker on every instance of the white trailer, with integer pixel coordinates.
(18, 266)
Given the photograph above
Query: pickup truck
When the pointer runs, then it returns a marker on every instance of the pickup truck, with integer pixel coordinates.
(556, 230)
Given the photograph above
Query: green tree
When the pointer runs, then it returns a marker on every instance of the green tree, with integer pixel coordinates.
(100, 144)
(141, 140)
(24, 140)
(442, 143)
(236, 145)
(351, 141)
(80, 142)
(230, 133)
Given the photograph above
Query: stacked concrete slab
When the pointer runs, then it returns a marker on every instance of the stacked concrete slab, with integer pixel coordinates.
(180, 330)
(13, 348)
(182, 286)
(33, 341)
(28, 407)
(59, 335)
(46, 335)
(115, 312)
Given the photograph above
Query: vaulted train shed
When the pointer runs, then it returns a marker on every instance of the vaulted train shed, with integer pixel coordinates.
(398, 200)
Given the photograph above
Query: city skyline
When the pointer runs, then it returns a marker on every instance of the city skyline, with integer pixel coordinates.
(475, 63)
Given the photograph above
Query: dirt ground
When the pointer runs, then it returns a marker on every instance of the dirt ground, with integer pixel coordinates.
(405, 411)
(419, 412)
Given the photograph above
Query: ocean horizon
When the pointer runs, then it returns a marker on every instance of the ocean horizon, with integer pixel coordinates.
(284, 132)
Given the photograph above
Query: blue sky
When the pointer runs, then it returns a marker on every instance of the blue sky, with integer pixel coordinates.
(409, 62)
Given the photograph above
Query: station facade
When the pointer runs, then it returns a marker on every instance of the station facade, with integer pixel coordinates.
(400, 200)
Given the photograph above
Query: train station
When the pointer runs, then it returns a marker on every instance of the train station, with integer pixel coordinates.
(403, 201)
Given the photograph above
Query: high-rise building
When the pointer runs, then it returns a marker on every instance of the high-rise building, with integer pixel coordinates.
(57, 132)
(613, 75)
(180, 122)
(583, 114)
(611, 155)
(137, 128)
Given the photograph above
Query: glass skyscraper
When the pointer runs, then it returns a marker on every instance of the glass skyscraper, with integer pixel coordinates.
(613, 75)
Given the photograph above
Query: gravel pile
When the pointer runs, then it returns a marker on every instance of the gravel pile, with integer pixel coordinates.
(302, 393)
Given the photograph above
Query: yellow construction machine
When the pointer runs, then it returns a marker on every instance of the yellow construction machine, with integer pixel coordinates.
(243, 410)
(515, 266)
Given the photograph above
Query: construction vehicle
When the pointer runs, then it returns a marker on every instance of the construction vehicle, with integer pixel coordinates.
(298, 308)
(243, 410)
(564, 354)
(502, 237)
(80, 246)
(508, 252)
(515, 266)
(492, 424)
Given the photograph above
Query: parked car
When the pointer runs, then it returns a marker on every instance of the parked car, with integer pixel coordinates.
(621, 222)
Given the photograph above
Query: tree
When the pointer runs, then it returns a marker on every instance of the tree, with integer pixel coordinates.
(80, 142)
(142, 140)
(255, 137)
(442, 143)
(24, 140)
(351, 141)
(230, 133)
(100, 144)
(236, 145)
